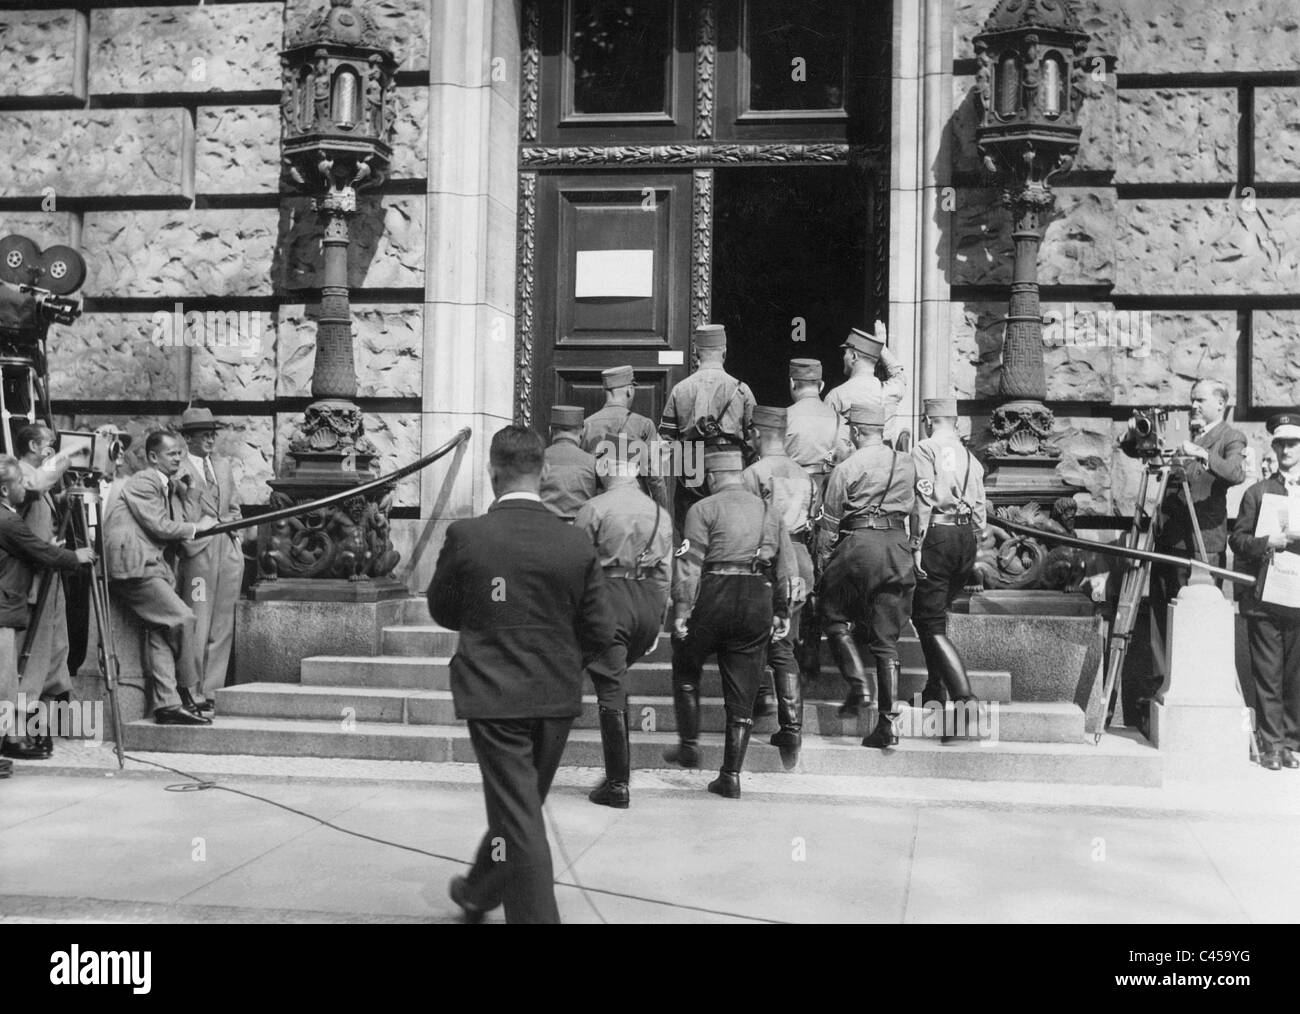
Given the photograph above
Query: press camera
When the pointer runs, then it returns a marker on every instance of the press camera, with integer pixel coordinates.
(1156, 433)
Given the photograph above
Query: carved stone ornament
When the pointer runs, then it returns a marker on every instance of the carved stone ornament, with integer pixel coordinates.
(349, 540)
(333, 426)
(1022, 428)
(1004, 560)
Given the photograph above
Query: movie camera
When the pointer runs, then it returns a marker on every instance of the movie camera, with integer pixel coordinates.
(1156, 433)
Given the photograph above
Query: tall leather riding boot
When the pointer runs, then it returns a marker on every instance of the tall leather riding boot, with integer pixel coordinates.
(809, 653)
(733, 758)
(953, 672)
(686, 703)
(616, 744)
(883, 735)
(851, 668)
(764, 704)
(43, 740)
(932, 692)
(789, 709)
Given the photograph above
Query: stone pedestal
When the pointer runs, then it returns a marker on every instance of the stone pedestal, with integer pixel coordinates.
(272, 637)
(1198, 720)
(1029, 602)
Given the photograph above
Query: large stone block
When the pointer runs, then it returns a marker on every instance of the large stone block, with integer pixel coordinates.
(1178, 37)
(78, 152)
(1275, 360)
(1184, 347)
(237, 150)
(1096, 117)
(103, 356)
(1236, 245)
(1087, 447)
(396, 436)
(1096, 17)
(411, 134)
(1078, 243)
(199, 252)
(236, 361)
(215, 48)
(1277, 134)
(1176, 135)
(272, 638)
(387, 249)
(38, 54)
(387, 341)
(403, 25)
(43, 228)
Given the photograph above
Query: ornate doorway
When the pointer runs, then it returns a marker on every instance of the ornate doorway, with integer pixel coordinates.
(661, 137)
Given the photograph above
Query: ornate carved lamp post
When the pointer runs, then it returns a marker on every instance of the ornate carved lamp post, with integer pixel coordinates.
(338, 108)
(1030, 89)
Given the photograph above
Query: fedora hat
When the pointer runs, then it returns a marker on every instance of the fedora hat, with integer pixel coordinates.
(194, 419)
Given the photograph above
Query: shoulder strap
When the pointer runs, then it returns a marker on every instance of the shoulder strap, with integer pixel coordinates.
(643, 557)
(893, 462)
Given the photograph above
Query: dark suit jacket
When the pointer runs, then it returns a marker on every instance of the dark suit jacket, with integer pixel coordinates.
(1209, 487)
(1249, 549)
(528, 596)
(140, 536)
(20, 552)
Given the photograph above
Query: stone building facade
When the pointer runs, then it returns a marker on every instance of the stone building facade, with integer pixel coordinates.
(148, 137)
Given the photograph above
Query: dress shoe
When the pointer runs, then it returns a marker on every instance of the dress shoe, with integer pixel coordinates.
(1271, 760)
(458, 890)
(1289, 760)
(23, 749)
(179, 716)
(207, 706)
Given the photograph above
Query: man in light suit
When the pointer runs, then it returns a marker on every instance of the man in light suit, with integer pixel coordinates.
(142, 534)
(211, 570)
(527, 594)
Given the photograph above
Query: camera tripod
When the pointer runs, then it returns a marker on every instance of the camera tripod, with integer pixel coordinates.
(1141, 535)
(81, 519)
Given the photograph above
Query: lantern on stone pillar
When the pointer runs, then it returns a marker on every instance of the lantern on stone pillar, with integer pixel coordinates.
(337, 107)
(1029, 79)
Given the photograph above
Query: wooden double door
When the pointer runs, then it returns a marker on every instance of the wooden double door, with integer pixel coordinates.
(676, 173)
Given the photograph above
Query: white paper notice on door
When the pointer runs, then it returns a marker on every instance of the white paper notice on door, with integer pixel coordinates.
(614, 273)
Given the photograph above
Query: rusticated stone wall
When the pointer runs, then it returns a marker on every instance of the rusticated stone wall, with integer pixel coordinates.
(1184, 206)
(149, 137)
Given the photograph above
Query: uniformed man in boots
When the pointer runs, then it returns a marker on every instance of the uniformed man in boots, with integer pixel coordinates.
(792, 493)
(811, 430)
(868, 580)
(633, 536)
(726, 599)
(710, 408)
(947, 525)
(568, 472)
(616, 429)
(864, 357)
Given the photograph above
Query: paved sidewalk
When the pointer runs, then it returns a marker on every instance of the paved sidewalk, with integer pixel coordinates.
(80, 841)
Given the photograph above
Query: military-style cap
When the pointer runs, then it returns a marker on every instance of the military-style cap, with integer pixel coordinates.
(805, 369)
(710, 336)
(617, 376)
(1285, 426)
(860, 341)
(723, 460)
(769, 417)
(566, 415)
(867, 415)
(941, 407)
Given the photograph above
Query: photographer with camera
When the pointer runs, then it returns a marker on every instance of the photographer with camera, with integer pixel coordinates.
(1211, 461)
(21, 552)
(47, 676)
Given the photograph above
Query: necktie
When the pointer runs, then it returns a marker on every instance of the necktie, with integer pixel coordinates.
(209, 476)
(167, 492)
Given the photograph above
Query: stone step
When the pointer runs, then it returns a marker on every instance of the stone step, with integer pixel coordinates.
(1117, 760)
(1023, 722)
(653, 678)
(425, 639)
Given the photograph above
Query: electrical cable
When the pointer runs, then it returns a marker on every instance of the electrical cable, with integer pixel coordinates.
(206, 783)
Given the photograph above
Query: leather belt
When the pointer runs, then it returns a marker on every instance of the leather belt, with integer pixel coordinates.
(625, 572)
(950, 519)
(733, 570)
(818, 469)
(885, 522)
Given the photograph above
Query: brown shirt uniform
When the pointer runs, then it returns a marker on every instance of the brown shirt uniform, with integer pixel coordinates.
(624, 524)
(794, 496)
(866, 390)
(811, 431)
(948, 481)
(708, 392)
(641, 440)
(871, 480)
(568, 477)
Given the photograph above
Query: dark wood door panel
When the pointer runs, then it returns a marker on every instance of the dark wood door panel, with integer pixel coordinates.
(583, 387)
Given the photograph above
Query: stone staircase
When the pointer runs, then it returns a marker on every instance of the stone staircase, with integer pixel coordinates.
(398, 706)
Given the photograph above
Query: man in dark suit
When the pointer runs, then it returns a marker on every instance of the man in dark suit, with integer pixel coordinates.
(527, 594)
(21, 551)
(143, 530)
